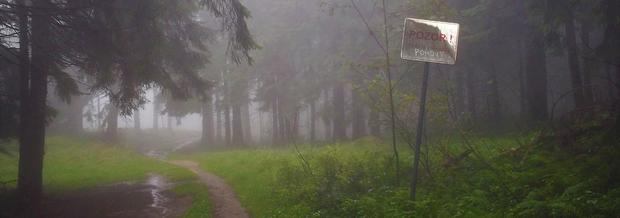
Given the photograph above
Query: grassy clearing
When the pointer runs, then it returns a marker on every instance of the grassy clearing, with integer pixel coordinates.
(507, 176)
(72, 164)
(201, 205)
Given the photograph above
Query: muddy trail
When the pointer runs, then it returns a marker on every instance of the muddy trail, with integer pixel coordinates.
(225, 202)
(151, 198)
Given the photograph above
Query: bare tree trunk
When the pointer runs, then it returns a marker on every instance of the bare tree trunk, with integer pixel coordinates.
(30, 176)
(227, 125)
(29, 179)
(327, 118)
(246, 121)
(460, 95)
(313, 120)
(112, 121)
(275, 120)
(218, 118)
(472, 95)
(573, 59)
(359, 117)
(536, 77)
(493, 95)
(207, 122)
(589, 65)
(522, 83)
(339, 129)
(374, 122)
(169, 122)
(156, 110)
(237, 137)
(136, 119)
(76, 116)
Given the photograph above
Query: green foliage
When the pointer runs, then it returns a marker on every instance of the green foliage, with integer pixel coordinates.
(506, 176)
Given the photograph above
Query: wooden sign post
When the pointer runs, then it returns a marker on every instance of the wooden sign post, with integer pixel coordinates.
(429, 42)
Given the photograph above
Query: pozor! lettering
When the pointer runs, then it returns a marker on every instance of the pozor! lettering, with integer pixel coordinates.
(420, 35)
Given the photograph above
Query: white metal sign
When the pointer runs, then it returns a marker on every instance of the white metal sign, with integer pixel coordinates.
(430, 41)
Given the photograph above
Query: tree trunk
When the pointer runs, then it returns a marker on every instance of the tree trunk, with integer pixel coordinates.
(494, 103)
(589, 64)
(472, 95)
(522, 82)
(112, 121)
(169, 122)
(573, 60)
(75, 117)
(374, 122)
(28, 183)
(156, 110)
(31, 153)
(207, 122)
(227, 133)
(312, 120)
(136, 120)
(275, 120)
(460, 95)
(536, 77)
(359, 118)
(246, 121)
(218, 118)
(327, 114)
(339, 129)
(237, 125)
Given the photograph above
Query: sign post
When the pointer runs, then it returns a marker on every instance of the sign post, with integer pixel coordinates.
(430, 42)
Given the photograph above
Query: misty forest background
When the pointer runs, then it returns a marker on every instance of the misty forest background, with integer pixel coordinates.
(298, 96)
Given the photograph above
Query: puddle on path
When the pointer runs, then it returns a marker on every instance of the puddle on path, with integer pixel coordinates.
(149, 199)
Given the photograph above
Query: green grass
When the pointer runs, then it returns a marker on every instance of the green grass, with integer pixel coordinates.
(250, 172)
(201, 204)
(510, 175)
(72, 163)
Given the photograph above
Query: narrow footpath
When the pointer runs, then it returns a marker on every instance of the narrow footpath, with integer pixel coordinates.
(225, 202)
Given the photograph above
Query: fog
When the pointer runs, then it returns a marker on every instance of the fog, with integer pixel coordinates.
(309, 108)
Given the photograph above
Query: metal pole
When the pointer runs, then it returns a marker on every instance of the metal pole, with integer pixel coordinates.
(418, 141)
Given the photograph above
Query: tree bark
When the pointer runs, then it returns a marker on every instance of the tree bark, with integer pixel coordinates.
(312, 120)
(207, 122)
(536, 77)
(136, 120)
(218, 119)
(30, 175)
(339, 129)
(472, 95)
(573, 59)
(589, 65)
(246, 120)
(156, 110)
(112, 121)
(227, 125)
(460, 95)
(374, 122)
(359, 117)
(237, 137)
(275, 120)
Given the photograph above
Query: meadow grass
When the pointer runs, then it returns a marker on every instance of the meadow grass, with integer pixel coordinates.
(510, 175)
(75, 163)
(201, 204)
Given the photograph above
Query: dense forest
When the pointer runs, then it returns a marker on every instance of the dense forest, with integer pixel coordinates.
(293, 108)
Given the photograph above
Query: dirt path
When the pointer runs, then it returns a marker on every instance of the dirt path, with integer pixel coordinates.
(225, 203)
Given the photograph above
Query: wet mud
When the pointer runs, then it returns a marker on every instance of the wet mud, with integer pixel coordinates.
(151, 198)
